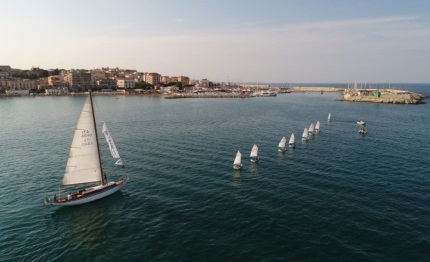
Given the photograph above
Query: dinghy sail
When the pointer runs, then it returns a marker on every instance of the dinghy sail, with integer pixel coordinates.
(305, 135)
(254, 154)
(291, 143)
(237, 164)
(281, 146)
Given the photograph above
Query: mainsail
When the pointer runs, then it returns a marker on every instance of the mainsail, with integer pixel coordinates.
(83, 165)
(317, 126)
(291, 139)
(112, 147)
(254, 151)
(283, 142)
(238, 159)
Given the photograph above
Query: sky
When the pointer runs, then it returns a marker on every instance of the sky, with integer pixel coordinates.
(282, 41)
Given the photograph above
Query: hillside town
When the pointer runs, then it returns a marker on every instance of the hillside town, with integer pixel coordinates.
(114, 81)
(20, 82)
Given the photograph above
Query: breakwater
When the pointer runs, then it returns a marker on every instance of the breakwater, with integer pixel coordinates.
(207, 95)
(316, 89)
(390, 96)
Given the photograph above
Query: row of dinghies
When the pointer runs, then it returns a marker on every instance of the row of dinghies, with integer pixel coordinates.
(282, 147)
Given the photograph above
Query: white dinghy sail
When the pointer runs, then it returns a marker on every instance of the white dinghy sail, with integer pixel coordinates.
(112, 147)
(254, 154)
(311, 129)
(84, 165)
(305, 135)
(282, 143)
(317, 126)
(237, 164)
(291, 143)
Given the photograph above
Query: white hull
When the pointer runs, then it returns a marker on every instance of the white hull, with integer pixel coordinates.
(237, 167)
(282, 149)
(93, 196)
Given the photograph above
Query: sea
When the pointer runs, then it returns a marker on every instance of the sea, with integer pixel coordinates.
(340, 196)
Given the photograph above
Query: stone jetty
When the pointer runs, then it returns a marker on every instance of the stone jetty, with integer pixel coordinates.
(389, 96)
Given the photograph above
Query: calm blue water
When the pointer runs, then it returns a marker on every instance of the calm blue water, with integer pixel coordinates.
(338, 197)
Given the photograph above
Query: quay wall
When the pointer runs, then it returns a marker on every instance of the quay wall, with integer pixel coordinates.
(316, 89)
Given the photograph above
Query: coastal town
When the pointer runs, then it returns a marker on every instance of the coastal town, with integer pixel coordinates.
(116, 81)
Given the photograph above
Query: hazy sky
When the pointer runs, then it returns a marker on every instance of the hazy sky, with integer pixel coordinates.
(224, 40)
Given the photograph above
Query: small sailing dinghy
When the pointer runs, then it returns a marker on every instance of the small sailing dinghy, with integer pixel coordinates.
(361, 123)
(282, 143)
(317, 126)
(254, 154)
(84, 165)
(291, 143)
(305, 135)
(237, 164)
(311, 129)
(329, 117)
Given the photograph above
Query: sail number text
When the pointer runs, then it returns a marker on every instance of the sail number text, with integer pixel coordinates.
(87, 136)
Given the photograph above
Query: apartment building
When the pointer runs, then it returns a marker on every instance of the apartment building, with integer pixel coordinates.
(125, 83)
(185, 80)
(5, 71)
(80, 79)
(153, 78)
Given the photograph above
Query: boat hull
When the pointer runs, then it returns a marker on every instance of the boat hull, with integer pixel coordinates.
(282, 149)
(93, 196)
(237, 167)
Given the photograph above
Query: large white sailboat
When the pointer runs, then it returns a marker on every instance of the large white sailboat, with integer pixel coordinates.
(84, 165)
(282, 143)
(292, 143)
(254, 154)
(305, 135)
(237, 164)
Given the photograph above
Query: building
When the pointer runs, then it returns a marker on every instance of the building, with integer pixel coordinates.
(5, 71)
(153, 78)
(56, 81)
(80, 79)
(165, 79)
(125, 83)
(185, 80)
(106, 83)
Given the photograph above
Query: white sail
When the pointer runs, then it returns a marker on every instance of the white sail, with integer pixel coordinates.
(291, 139)
(83, 165)
(329, 117)
(305, 135)
(282, 142)
(238, 159)
(311, 129)
(254, 151)
(112, 147)
(317, 126)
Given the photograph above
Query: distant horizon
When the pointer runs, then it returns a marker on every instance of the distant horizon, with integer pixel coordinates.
(253, 41)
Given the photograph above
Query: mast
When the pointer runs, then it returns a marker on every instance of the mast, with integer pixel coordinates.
(97, 141)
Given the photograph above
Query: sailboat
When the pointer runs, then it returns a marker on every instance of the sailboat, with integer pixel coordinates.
(305, 135)
(291, 143)
(237, 164)
(329, 117)
(281, 146)
(311, 129)
(254, 154)
(84, 165)
(317, 126)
